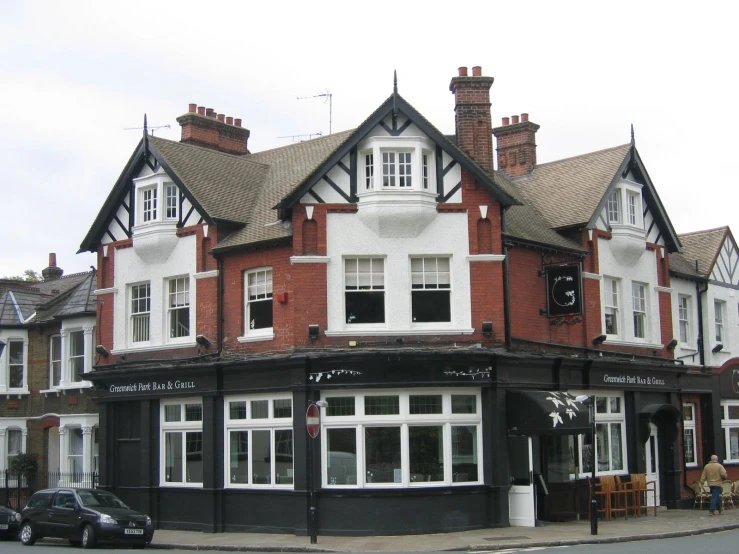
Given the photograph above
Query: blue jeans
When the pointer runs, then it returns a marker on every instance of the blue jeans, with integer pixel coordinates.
(715, 499)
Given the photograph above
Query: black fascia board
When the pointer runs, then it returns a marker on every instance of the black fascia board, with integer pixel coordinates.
(135, 162)
(671, 237)
(422, 123)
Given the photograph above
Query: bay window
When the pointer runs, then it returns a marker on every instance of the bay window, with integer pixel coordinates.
(402, 439)
(259, 439)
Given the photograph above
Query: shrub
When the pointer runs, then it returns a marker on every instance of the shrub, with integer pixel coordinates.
(24, 464)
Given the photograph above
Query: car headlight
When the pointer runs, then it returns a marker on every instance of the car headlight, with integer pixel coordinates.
(105, 518)
(16, 516)
(148, 520)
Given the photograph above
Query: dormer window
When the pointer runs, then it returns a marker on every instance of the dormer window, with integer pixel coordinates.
(626, 194)
(399, 163)
(614, 207)
(632, 209)
(149, 191)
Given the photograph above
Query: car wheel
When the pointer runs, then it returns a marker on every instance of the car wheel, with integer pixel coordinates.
(88, 537)
(27, 534)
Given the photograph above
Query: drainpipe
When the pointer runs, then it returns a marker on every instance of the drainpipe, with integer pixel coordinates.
(220, 295)
(506, 284)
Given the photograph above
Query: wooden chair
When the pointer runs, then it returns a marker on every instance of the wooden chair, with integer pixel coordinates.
(727, 494)
(617, 499)
(642, 488)
(633, 496)
(702, 498)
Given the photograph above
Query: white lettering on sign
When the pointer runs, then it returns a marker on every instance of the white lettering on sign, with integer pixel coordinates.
(152, 386)
(634, 380)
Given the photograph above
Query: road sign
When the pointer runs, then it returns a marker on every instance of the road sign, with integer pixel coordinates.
(313, 420)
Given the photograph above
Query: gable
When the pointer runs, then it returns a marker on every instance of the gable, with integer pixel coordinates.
(725, 269)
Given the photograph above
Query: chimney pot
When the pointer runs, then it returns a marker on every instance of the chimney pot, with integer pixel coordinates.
(237, 122)
(477, 71)
(229, 120)
(524, 117)
(463, 72)
(515, 119)
(201, 110)
(191, 108)
(221, 117)
(506, 121)
(209, 112)
(52, 260)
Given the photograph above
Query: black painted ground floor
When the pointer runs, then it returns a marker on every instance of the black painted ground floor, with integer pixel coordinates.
(409, 441)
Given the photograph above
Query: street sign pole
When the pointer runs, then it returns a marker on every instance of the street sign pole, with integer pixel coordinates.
(313, 426)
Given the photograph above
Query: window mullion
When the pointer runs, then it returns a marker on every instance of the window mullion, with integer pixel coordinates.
(404, 454)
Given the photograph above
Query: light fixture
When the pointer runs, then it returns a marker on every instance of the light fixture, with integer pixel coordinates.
(2, 347)
(600, 339)
(671, 345)
(718, 348)
(202, 341)
(100, 349)
(313, 332)
(321, 403)
(487, 328)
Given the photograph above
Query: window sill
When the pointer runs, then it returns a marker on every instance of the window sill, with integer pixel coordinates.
(256, 337)
(153, 348)
(182, 485)
(644, 344)
(12, 393)
(398, 332)
(81, 387)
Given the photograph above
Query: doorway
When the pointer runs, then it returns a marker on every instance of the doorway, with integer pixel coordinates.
(521, 507)
(652, 461)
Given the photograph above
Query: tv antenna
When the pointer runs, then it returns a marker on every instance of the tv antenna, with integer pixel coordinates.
(150, 128)
(327, 97)
(309, 135)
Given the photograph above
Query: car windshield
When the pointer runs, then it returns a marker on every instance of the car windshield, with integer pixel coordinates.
(100, 498)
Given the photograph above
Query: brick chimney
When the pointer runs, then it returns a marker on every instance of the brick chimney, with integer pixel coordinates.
(52, 272)
(516, 139)
(472, 115)
(204, 127)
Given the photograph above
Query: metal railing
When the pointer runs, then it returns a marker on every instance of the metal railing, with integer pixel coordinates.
(16, 489)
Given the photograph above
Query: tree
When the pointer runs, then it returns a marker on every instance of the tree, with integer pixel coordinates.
(24, 464)
(29, 276)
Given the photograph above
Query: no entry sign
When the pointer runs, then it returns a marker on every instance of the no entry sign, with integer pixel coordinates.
(313, 420)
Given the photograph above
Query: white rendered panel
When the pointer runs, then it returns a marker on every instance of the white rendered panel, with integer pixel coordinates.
(113, 227)
(726, 268)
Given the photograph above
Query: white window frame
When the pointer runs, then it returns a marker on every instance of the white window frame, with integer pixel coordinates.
(719, 322)
(425, 170)
(611, 296)
(5, 365)
(418, 162)
(266, 292)
(729, 424)
(66, 357)
(640, 310)
(404, 420)
(683, 318)
(136, 317)
(74, 357)
(613, 206)
(369, 170)
(633, 209)
(55, 361)
(431, 280)
(149, 204)
(374, 281)
(251, 424)
(171, 201)
(177, 300)
(183, 428)
(11, 424)
(689, 430)
(609, 419)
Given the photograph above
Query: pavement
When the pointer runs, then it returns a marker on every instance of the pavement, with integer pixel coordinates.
(667, 524)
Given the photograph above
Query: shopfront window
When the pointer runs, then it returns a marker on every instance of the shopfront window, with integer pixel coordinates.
(402, 439)
(610, 435)
(182, 443)
(730, 426)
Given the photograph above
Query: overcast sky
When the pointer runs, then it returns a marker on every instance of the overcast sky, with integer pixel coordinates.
(75, 75)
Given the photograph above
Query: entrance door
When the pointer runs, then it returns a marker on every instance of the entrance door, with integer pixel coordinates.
(521, 508)
(652, 448)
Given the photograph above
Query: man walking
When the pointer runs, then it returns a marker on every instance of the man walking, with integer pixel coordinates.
(714, 474)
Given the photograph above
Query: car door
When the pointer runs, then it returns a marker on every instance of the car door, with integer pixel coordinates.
(63, 516)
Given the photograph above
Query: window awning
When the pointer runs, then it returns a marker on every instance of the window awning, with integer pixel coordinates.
(533, 412)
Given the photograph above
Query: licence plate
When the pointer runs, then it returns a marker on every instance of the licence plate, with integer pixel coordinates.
(133, 532)
(3, 525)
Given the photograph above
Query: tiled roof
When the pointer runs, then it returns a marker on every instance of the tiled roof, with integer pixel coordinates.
(225, 185)
(701, 247)
(44, 299)
(567, 192)
(288, 167)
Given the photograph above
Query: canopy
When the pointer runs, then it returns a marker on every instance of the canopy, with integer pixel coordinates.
(534, 412)
(665, 416)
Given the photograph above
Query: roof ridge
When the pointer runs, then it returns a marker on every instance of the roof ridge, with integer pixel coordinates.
(704, 231)
(243, 157)
(583, 155)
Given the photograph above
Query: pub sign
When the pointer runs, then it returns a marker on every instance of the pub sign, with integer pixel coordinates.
(564, 290)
